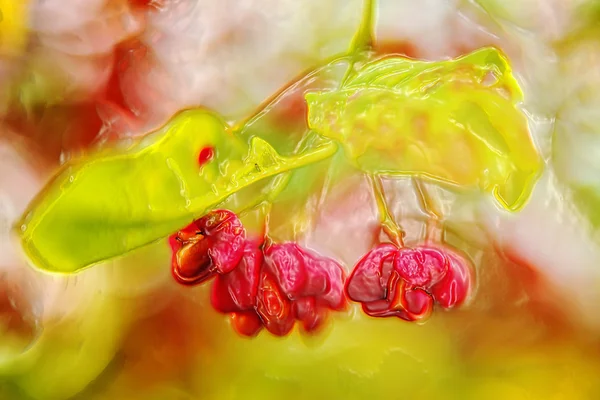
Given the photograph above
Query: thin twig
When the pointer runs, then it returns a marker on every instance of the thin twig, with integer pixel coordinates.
(429, 206)
(390, 227)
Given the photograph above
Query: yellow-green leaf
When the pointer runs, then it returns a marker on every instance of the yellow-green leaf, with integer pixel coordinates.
(455, 122)
(115, 202)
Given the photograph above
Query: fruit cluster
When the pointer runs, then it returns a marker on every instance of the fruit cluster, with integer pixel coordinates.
(259, 285)
(273, 285)
(405, 282)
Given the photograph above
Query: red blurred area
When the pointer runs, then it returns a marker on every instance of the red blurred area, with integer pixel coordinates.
(164, 346)
(403, 48)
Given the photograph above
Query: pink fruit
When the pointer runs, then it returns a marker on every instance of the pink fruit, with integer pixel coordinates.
(237, 290)
(405, 282)
(286, 263)
(455, 286)
(284, 285)
(213, 244)
(313, 283)
(369, 278)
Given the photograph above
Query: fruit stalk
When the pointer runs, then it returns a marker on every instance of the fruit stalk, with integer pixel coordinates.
(390, 227)
(430, 207)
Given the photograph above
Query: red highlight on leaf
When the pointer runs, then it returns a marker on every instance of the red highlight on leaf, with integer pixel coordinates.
(405, 282)
(206, 154)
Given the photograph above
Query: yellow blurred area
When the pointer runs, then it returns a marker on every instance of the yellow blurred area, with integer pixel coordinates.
(144, 340)
(361, 358)
(188, 351)
(13, 26)
(504, 345)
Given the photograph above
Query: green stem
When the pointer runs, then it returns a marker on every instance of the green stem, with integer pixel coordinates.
(266, 213)
(431, 208)
(280, 182)
(390, 227)
(363, 38)
(330, 176)
(316, 155)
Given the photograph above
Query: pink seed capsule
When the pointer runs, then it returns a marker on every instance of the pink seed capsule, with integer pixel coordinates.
(420, 266)
(286, 263)
(237, 290)
(314, 284)
(455, 287)
(226, 235)
(369, 278)
(284, 285)
(406, 282)
(213, 244)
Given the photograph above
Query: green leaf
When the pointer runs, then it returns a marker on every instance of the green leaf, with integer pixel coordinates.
(454, 122)
(115, 202)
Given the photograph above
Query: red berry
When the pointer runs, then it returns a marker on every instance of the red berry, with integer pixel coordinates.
(312, 283)
(273, 307)
(396, 303)
(192, 264)
(309, 314)
(418, 303)
(246, 323)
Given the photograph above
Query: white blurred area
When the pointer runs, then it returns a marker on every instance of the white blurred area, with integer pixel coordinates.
(231, 55)
(73, 44)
